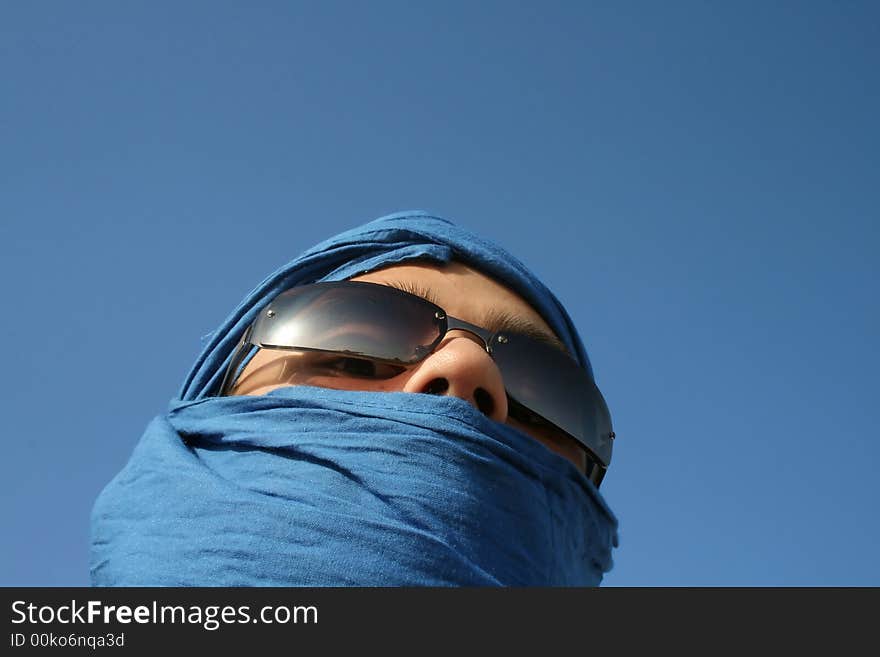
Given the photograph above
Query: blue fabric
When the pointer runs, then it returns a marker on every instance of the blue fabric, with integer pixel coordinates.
(318, 487)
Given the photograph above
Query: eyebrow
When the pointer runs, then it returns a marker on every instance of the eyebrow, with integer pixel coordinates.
(501, 321)
(494, 320)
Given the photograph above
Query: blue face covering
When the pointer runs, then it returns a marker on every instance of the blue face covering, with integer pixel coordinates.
(310, 486)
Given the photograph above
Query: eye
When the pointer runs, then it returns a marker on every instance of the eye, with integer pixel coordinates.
(525, 416)
(522, 414)
(360, 368)
(550, 435)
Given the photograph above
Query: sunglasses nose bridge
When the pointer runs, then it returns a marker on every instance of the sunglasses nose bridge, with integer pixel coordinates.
(482, 335)
(469, 335)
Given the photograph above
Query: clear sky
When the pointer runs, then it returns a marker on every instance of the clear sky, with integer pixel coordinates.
(698, 182)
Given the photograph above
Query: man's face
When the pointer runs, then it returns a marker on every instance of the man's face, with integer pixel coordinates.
(460, 366)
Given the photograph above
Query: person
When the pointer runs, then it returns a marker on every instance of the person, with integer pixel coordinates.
(403, 404)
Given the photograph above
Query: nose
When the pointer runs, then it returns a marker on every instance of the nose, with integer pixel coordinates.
(461, 367)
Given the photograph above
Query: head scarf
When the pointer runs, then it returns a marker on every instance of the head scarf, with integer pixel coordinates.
(318, 487)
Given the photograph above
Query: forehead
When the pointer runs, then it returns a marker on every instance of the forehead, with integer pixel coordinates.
(462, 291)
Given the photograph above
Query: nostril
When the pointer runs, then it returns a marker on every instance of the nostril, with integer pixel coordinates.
(437, 387)
(484, 401)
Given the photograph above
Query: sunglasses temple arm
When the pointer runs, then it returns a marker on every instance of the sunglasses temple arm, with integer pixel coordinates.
(237, 358)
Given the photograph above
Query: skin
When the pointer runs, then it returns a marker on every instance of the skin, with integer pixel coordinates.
(459, 366)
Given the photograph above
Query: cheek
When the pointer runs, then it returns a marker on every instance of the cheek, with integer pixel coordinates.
(335, 383)
(351, 383)
(555, 442)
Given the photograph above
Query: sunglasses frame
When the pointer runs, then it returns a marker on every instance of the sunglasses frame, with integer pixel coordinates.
(596, 468)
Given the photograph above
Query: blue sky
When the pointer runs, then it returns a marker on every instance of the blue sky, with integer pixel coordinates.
(698, 182)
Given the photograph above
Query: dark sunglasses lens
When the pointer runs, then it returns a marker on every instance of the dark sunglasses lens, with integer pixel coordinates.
(358, 318)
(549, 383)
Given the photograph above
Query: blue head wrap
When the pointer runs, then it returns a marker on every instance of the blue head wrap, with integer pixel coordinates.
(318, 487)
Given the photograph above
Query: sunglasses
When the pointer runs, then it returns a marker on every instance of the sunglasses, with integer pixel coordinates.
(381, 331)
